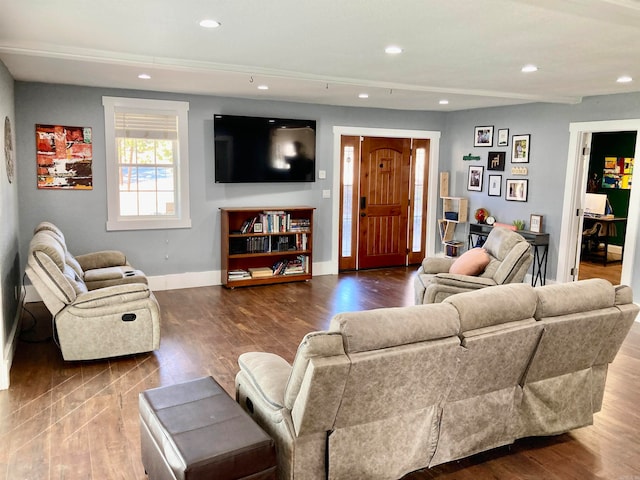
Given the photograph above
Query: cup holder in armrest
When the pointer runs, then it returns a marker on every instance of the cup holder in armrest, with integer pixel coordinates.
(129, 273)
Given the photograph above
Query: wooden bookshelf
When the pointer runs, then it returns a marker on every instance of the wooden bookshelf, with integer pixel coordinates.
(256, 241)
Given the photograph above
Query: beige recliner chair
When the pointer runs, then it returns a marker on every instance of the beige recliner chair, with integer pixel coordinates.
(89, 324)
(509, 258)
(97, 269)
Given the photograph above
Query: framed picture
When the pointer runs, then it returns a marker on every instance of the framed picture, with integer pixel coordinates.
(535, 223)
(483, 137)
(503, 137)
(495, 161)
(475, 178)
(495, 185)
(517, 190)
(520, 148)
(257, 227)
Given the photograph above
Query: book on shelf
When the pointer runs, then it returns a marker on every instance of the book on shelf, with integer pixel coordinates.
(238, 274)
(260, 272)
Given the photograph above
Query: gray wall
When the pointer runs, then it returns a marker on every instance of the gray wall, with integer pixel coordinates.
(9, 258)
(82, 214)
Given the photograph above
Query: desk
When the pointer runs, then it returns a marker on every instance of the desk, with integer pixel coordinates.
(539, 241)
(608, 230)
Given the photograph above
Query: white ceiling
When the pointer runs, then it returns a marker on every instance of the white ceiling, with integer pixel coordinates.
(328, 51)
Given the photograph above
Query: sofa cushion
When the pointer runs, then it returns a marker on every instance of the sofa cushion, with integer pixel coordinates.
(494, 305)
(573, 297)
(389, 327)
(472, 262)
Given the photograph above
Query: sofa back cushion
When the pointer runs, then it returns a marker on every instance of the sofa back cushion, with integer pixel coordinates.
(388, 327)
(494, 305)
(572, 297)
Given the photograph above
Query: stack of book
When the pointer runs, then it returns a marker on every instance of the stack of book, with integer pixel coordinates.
(261, 272)
(238, 274)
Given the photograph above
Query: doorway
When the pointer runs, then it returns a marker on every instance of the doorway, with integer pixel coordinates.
(383, 201)
(575, 187)
(608, 189)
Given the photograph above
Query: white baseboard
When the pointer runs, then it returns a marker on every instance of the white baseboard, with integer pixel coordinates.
(9, 351)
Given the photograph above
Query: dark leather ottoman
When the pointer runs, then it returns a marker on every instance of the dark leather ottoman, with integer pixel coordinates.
(194, 431)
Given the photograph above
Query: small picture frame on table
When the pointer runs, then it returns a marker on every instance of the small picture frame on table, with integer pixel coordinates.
(475, 178)
(495, 185)
(535, 223)
(483, 136)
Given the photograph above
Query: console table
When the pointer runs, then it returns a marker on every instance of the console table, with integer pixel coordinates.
(539, 241)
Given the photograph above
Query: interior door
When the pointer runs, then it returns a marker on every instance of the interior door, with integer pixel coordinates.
(383, 202)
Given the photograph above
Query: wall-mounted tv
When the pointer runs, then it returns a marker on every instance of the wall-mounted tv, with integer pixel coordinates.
(264, 149)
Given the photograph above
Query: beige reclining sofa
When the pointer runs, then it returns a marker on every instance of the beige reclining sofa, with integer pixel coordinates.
(389, 391)
(101, 306)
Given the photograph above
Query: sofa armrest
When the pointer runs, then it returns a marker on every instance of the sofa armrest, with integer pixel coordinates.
(437, 264)
(117, 294)
(269, 374)
(462, 281)
(102, 259)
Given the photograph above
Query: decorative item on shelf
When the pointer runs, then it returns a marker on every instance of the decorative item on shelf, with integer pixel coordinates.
(490, 220)
(535, 223)
(452, 248)
(519, 171)
(519, 224)
(481, 215)
(471, 158)
(453, 216)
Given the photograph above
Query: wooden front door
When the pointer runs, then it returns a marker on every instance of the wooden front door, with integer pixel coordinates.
(383, 202)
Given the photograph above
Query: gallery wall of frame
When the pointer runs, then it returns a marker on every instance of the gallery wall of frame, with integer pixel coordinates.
(516, 185)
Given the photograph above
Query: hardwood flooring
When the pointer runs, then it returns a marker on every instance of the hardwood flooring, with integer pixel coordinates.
(79, 420)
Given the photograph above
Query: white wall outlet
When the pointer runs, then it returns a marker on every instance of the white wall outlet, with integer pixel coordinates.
(326, 193)
(322, 174)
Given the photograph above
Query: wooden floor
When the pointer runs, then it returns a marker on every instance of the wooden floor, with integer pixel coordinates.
(63, 420)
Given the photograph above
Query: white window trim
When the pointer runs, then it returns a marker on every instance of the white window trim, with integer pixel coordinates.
(183, 217)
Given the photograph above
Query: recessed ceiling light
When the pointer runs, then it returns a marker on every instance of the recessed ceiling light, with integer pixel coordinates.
(393, 50)
(144, 76)
(444, 102)
(263, 87)
(529, 68)
(363, 95)
(624, 79)
(208, 23)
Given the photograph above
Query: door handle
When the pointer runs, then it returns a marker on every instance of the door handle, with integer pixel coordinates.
(363, 214)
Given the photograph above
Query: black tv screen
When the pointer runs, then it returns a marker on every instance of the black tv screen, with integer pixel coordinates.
(264, 149)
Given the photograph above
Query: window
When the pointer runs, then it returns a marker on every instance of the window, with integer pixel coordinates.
(147, 163)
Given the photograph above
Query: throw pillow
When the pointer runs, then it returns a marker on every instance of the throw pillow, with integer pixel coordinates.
(472, 262)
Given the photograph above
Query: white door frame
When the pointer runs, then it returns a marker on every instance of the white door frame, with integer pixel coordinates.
(432, 200)
(575, 187)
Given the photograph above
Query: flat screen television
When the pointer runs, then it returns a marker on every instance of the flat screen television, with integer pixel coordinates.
(264, 149)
